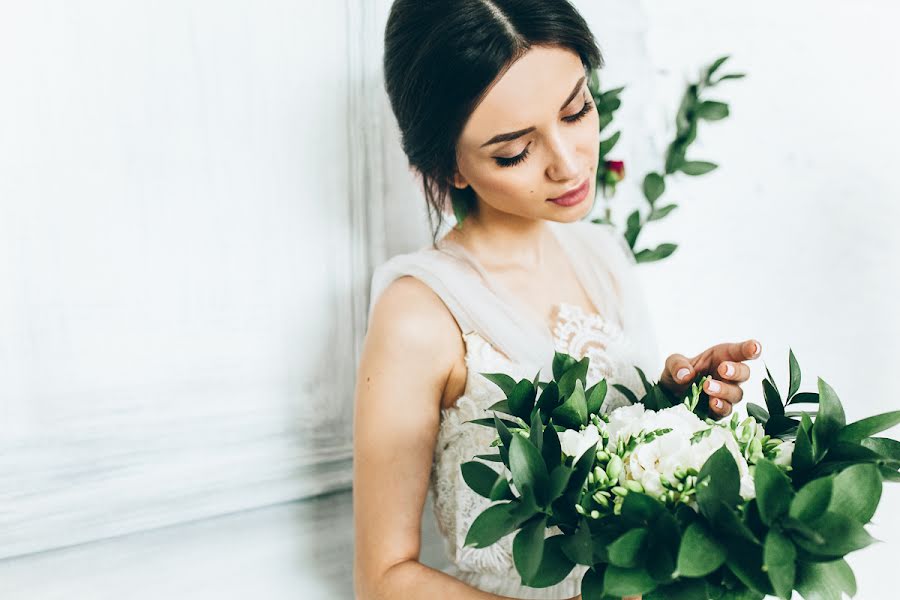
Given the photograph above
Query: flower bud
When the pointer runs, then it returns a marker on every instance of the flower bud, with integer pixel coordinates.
(634, 486)
(620, 491)
(602, 456)
(579, 509)
(614, 468)
(595, 514)
(680, 473)
(601, 500)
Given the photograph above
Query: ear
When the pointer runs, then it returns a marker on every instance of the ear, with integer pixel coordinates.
(458, 181)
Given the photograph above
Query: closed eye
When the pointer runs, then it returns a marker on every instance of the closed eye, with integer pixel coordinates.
(514, 160)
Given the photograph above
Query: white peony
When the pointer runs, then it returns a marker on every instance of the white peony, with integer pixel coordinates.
(672, 451)
(575, 443)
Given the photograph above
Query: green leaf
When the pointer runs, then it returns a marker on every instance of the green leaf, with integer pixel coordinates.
(619, 581)
(490, 457)
(829, 420)
(528, 547)
(700, 553)
(592, 586)
(654, 186)
(479, 477)
(555, 566)
(641, 509)
(688, 589)
(625, 391)
(841, 534)
(595, 396)
(574, 411)
(779, 558)
(551, 451)
(856, 492)
(562, 362)
(536, 432)
(805, 398)
(502, 431)
(489, 422)
(503, 381)
(549, 398)
(857, 431)
(712, 110)
(608, 144)
(812, 499)
(794, 368)
(886, 447)
(825, 580)
(758, 412)
(711, 69)
(719, 480)
(632, 228)
(528, 468)
(578, 547)
(803, 458)
(728, 76)
(501, 490)
(773, 491)
(697, 167)
(746, 562)
(577, 372)
(521, 399)
(559, 479)
(492, 524)
(644, 381)
(773, 398)
(628, 549)
(659, 213)
(660, 252)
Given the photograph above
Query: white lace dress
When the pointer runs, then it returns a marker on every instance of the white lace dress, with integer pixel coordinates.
(501, 337)
(455, 505)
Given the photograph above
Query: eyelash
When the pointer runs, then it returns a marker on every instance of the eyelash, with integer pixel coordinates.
(511, 162)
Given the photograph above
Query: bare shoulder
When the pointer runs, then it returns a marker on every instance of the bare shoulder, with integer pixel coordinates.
(410, 319)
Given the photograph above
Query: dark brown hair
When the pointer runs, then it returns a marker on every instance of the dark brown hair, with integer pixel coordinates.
(441, 56)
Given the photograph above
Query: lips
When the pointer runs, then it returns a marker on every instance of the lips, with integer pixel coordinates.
(573, 196)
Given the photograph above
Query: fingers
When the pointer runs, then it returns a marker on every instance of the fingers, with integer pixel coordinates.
(728, 392)
(680, 368)
(719, 408)
(733, 371)
(746, 350)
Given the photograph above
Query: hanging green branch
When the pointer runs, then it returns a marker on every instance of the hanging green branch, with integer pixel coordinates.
(691, 111)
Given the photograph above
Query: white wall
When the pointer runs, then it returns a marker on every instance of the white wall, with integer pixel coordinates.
(792, 241)
(183, 259)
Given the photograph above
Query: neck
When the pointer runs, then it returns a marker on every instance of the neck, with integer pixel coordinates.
(503, 241)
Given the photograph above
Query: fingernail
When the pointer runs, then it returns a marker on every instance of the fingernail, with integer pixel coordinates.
(758, 349)
(683, 372)
(714, 386)
(729, 369)
(718, 403)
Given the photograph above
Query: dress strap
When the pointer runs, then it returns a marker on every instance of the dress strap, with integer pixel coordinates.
(472, 303)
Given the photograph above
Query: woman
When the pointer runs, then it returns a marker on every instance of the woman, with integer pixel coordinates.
(492, 103)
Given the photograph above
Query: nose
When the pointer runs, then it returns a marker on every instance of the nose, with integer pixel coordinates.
(563, 162)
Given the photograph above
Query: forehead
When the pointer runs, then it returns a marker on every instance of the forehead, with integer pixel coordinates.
(528, 93)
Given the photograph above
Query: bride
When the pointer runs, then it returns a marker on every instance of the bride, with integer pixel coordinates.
(495, 115)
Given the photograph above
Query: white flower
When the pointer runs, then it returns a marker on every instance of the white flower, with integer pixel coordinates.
(674, 451)
(785, 454)
(575, 443)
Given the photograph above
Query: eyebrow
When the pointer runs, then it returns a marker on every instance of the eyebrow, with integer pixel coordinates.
(505, 137)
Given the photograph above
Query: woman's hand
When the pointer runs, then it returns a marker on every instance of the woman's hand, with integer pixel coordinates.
(724, 363)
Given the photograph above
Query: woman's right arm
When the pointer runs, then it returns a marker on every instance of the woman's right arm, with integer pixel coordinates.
(411, 346)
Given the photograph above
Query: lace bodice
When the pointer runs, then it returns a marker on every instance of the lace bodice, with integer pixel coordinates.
(455, 505)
